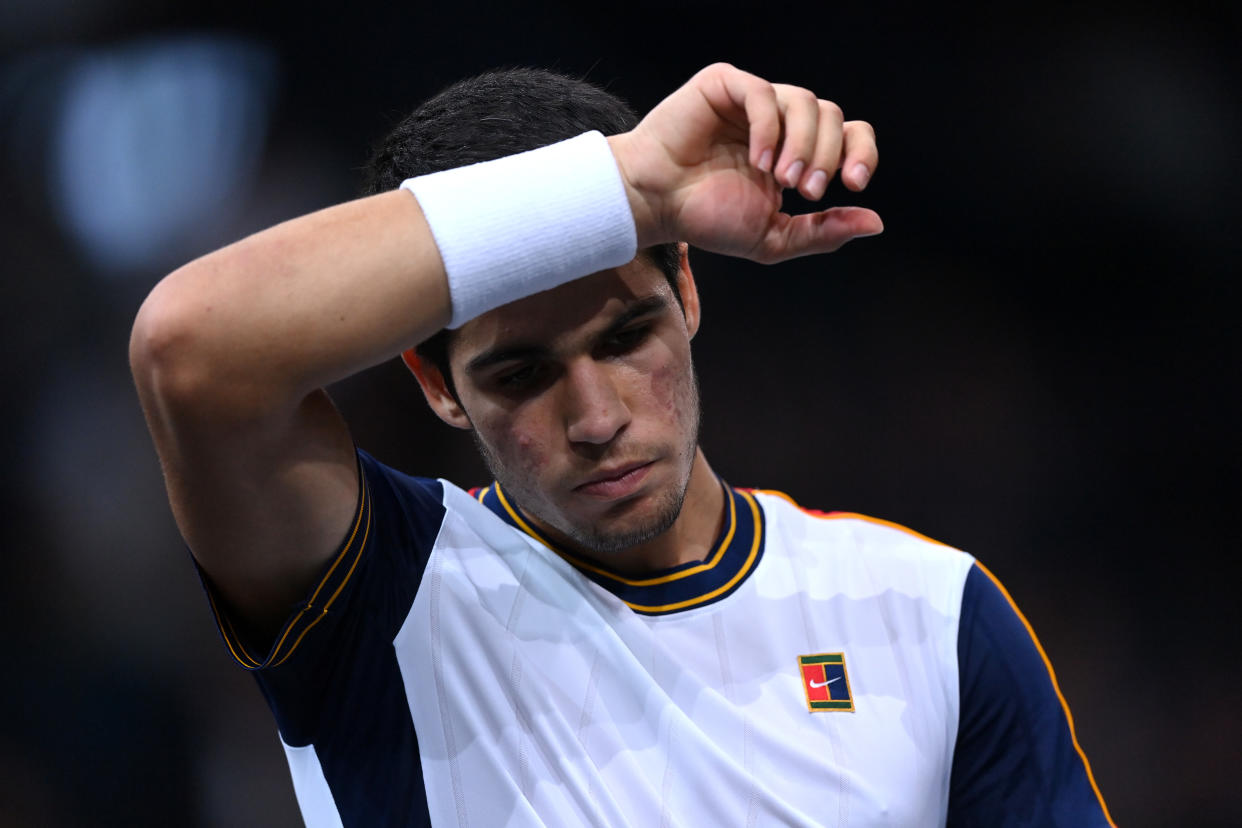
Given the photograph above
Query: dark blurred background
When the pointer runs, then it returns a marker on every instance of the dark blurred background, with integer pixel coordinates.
(1037, 362)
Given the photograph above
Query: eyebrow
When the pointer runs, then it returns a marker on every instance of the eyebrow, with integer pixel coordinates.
(522, 351)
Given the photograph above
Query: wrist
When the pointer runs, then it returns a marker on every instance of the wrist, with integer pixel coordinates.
(643, 205)
(528, 222)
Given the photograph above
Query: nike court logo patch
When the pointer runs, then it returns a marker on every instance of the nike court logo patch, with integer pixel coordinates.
(822, 682)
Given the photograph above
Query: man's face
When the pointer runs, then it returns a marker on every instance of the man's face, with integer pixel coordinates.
(584, 404)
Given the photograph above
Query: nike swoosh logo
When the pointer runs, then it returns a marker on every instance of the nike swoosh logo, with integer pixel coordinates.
(818, 684)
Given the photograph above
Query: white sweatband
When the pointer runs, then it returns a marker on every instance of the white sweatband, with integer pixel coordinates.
(528, 222)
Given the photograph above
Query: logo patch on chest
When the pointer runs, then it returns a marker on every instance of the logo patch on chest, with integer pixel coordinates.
(826, 683)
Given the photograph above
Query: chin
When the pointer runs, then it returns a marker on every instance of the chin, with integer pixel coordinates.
(611, 537)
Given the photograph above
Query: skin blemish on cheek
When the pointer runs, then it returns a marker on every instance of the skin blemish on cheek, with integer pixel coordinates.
(663, 387)
(530, 448)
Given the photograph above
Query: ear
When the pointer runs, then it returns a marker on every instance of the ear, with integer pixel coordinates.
(435, 389)
(688, 290)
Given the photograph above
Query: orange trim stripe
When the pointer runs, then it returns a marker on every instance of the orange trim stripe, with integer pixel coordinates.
(815, 513)
(1055, 686)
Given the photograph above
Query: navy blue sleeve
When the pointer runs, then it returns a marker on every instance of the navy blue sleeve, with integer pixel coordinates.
(1016, 762)
(343, 631)
(331, 677)
(363, 591)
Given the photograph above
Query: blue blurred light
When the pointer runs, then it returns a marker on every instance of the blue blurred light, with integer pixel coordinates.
(154, 140)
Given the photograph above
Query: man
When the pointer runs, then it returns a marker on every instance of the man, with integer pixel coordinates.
(607, 634)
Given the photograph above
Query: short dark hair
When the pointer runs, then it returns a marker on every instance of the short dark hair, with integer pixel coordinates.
(489, 116)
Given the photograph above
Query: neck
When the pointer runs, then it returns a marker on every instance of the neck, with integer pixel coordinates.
(689, 539)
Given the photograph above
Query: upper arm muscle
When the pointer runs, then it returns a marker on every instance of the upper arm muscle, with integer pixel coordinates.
(261, 505)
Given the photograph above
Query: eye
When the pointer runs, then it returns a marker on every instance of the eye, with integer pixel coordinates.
(518, 378)
(627, 339)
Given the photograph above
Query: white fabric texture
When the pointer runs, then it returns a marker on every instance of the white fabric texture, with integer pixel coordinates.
(526, 223)
(540, 699)
(311, 788)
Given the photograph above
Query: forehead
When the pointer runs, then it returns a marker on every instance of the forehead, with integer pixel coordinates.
(578, 308)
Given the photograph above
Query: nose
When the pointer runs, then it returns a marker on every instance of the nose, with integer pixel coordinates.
(595, 412)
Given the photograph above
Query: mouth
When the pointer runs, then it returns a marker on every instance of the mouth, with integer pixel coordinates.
(616, 482)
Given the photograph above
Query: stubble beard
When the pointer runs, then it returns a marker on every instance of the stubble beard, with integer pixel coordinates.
(594, 539)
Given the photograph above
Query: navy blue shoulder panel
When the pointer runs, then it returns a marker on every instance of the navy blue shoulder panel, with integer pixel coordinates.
(340, 687)
(1016, 762)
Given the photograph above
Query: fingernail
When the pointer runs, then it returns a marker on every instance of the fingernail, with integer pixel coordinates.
(794, 173)
(816, 184)
(872, 233)
(861, 175)
(765, 160)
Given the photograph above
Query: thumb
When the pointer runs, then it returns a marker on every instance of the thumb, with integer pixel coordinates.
(791, 236)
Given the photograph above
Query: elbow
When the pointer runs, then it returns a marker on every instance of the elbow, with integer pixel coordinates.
(185, 361)
(166, 348)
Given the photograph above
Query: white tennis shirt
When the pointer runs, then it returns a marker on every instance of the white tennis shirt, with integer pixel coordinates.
(453, 669)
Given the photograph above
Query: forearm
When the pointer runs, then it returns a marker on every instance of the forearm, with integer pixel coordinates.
(254, 327)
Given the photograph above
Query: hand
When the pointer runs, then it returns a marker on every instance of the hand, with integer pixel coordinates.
(708, 164)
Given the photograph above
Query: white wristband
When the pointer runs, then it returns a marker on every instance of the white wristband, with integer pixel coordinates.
(528, 222)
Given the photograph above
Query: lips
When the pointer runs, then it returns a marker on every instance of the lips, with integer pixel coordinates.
(616, 482)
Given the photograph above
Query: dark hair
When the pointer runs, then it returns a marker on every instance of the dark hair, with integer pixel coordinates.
(495, 114)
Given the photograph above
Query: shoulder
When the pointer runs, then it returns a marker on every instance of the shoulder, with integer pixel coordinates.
(426, 500)
(873, 531)
(383, 479)
(431, 513)
(862, 553)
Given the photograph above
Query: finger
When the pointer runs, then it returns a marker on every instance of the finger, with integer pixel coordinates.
(763, 115)
(757, 99)
(822, 232)
(827, 156)
(801, 123)
(859, 154)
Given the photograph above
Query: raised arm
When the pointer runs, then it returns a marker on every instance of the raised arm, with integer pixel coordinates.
(231, 352)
